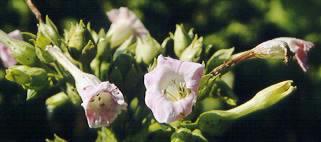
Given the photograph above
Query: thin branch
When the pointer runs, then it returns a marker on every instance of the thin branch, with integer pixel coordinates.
(34, 10)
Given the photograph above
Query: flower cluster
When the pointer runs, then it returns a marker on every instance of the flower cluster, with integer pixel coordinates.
(103, 71)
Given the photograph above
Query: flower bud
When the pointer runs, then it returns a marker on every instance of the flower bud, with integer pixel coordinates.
(300, 48)
(76, 37)
(272, 49)
(181, 40)
(28, 77)
(5, 53)
(124, 24)
(49, 30)
(102, 101)
(22, 51)
(216, 122)
(193, 51)
(147, 49)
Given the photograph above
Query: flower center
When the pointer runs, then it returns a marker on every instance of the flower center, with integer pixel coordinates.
(101, 100)
(176, 90)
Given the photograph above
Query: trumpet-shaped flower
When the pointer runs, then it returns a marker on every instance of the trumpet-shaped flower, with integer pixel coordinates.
(124, 24)
(172, 88)
(5, 54)
(300, 48)
(102, 101)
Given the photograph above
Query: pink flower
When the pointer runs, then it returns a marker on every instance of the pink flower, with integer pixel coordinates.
(300, 48)
(124, 24)
(172, 88)
(102, 101)
(5, 54)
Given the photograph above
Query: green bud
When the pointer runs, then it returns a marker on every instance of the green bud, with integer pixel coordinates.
(49, 30)
(147, 49)
(28, 77)
(181, 40)
(104, 53)
(265, 98)
(41, 41)
(216, 122)
(193, 51)
(88, 53)
(43, 55)
(76, 37)
(104, 69)
(22, 51)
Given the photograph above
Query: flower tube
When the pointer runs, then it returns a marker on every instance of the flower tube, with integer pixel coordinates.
(102, 101)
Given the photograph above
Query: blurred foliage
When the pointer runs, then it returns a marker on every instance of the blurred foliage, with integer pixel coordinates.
(222, 23)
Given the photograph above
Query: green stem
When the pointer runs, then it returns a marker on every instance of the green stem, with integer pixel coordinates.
(243, 56)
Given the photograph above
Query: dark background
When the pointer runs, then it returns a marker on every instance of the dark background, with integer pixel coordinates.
(223, 23)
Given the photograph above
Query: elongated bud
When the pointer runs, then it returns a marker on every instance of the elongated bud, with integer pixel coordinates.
(193, 51)
(216, 122)
(28, 77)
(273, 49)
(147, 49)
(49, 30)
(22, 51)
(181, 40)
(102, 101)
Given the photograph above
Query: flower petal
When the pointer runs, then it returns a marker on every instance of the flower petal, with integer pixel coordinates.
(166, 110)
(300, 48)
(105, 103)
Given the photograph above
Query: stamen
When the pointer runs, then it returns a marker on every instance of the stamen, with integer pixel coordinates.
(176, 90)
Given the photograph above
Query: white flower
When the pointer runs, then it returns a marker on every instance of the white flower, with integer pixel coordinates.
(172, 88)
(124, 24)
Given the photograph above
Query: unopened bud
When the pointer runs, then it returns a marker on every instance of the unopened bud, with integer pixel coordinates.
(181, 40)
(147, 49)
(193, 51)
(49, 30)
